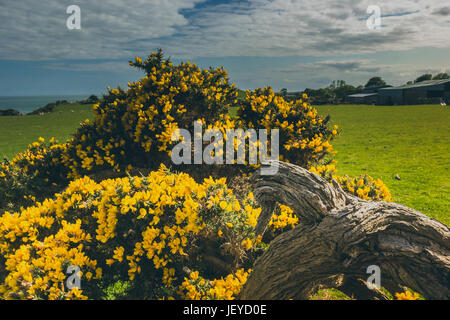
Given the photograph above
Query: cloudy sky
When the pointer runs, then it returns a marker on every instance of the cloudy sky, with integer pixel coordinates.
(290, 44)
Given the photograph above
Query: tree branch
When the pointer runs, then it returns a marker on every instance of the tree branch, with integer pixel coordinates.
(339, 236)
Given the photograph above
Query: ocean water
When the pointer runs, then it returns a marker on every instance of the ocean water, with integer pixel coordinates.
(27, 104)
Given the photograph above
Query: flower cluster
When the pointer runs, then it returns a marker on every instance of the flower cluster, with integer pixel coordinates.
(134, 127)
(139, 230)
(283, 218)
(38, 170)
(195, 287)
(38, 269)
(304, 135)
(327, 171)
(408, 295)
(364, 186)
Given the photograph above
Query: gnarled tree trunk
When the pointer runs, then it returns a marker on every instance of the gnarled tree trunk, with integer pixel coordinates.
(339, 236)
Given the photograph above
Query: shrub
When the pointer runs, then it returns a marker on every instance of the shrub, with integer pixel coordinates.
(304, 135)
(147, 233)
(10, 112)
(363, 186)
(163, 235)
(133, 128)
(37, 171)
(283, 219)
(408, 295)
(49, 107)
(195, 287)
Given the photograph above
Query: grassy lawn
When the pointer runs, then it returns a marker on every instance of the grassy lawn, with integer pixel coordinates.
(411, 141)
(17, 132)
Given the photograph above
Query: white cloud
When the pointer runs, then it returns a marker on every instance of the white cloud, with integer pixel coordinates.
(121, 29)
(299, 28)
(34, 30)
(117, 30)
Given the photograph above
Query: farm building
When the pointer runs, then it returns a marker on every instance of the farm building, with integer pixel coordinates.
(369, 95)
(431, 91)
(424, 92)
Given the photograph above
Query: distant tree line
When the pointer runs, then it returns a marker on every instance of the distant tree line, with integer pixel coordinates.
(429, 76)
(9, 112)
(49, 107)
(91, 100)
(336, 92)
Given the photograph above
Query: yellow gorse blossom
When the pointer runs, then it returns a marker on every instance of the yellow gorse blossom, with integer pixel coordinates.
(263, 108)
(407, 295)
(285, 218)
(363, 186)
(198, 288)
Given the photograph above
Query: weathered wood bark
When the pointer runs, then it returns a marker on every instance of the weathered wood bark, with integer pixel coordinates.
(339, 236)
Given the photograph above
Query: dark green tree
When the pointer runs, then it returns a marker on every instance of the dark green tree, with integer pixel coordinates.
(375, 81)
(424, 77)
(441, 76)
(93, 98)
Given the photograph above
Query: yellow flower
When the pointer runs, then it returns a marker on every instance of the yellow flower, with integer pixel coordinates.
(247, 243)
(407, 295)
(118, 254)
(142, 213)
(223, 205)
(236, 206)
(194, 275)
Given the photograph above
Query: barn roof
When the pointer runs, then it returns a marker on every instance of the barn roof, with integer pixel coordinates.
(422, 84)
(362, 95)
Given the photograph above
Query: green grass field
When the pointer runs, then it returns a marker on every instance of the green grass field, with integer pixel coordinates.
(382, 141)
(411, 141)
(17, 132)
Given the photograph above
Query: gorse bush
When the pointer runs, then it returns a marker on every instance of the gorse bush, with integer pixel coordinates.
(408, 295)
(304, 135)
(364, 186)
(132, 128)
(195, 287)
(148, 232)
(283, 219)
(37, 171)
